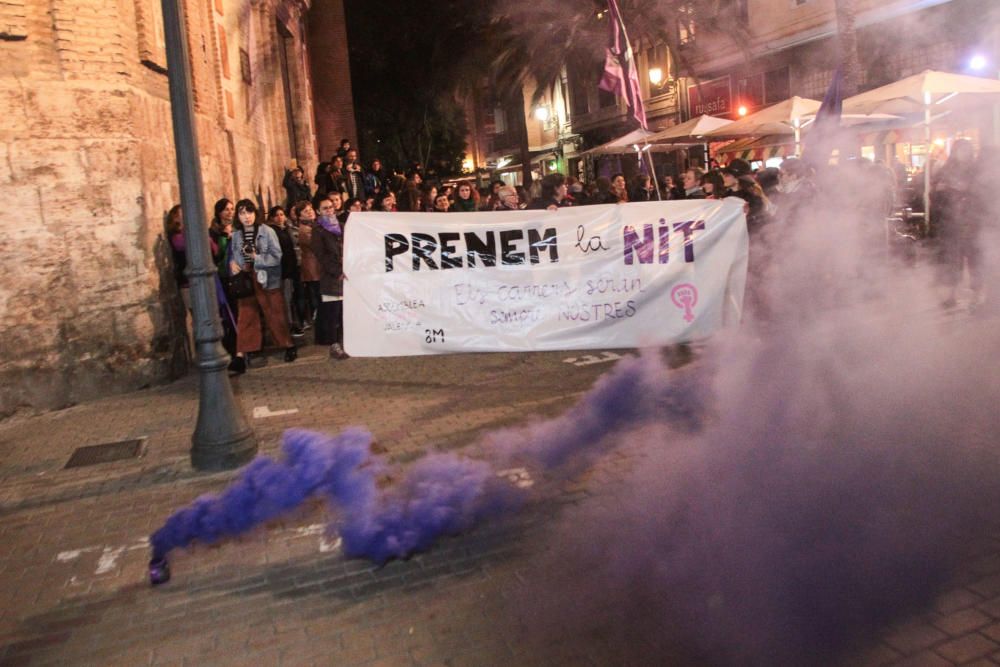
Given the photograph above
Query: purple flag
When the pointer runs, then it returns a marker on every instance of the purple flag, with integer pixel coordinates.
(825, 132)
(620, 76)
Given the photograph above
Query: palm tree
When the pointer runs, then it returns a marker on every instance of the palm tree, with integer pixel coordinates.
(534, 40)
(847, 46)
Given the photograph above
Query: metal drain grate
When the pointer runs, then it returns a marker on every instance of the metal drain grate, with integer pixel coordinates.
(105, 453)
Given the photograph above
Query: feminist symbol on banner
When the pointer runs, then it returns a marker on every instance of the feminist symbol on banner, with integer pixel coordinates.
(685, 296)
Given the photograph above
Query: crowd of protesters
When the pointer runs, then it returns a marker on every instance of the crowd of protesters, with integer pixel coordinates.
(290, 261)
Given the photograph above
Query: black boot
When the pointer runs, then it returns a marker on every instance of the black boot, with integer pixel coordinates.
(238, 365)
(291, 353)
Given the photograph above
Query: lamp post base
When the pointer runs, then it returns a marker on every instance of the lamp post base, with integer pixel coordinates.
(224, 455)
(222, 439)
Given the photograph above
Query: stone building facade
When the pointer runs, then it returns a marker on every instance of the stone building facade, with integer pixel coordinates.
(87, 171)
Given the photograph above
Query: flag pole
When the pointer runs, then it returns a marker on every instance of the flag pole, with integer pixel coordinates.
(927, 164)
(652, 172)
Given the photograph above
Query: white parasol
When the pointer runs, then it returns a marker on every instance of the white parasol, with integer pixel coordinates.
(690, 130)
(623, 144)
(927, 92)
(788, 117)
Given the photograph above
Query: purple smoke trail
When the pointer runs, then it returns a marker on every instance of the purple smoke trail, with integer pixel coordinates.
(441, 495)
(635, 391)
(267, 488)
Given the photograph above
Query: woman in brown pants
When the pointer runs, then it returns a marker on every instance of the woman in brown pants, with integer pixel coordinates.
(255, 249)
(309, 267)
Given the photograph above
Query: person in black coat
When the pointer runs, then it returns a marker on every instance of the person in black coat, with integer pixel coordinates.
(603, 193)
(642, 190)
(692, 183)
(296, 187)
(957, 208)
(328, 247)
(278, 221)
(553, 194)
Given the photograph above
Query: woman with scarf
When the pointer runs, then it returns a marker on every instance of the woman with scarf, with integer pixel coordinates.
(376, 180)
(464, 201)
(256, 250)
(328, 247)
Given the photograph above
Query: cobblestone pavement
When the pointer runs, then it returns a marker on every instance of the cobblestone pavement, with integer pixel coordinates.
(73, 564)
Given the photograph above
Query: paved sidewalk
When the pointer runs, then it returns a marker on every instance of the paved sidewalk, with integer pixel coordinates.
(73, 568)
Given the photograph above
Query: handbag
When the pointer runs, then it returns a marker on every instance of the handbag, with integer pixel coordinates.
(239, 286)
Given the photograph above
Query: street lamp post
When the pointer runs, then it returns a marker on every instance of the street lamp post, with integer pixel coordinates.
(222, 438)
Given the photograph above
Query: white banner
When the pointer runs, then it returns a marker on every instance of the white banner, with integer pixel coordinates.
(610, 276)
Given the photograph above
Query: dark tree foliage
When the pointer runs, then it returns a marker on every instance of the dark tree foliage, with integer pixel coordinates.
(406, 65)
(534, 40)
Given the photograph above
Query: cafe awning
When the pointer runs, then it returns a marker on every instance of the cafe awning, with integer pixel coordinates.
(758, 149)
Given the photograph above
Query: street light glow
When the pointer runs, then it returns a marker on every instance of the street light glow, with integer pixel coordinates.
(977, 62)
(655, 75)
(542, 113)
(742, 110)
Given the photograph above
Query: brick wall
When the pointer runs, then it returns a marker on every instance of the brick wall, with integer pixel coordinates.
(331, 76)
(87, 174)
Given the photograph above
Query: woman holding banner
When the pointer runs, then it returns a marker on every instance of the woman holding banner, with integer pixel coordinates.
(328, 247)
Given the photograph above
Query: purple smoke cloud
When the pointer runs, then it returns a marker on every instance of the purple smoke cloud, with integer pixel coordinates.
(440, 495)
(633, 392)
(846, 465)
(817, 506)
(267, 488)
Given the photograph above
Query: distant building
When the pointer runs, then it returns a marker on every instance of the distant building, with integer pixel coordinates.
(87, 302)
(793, 50)
(789, 48)
(498, 127)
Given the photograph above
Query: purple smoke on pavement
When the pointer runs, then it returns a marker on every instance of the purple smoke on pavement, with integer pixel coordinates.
(821, 504)
(267, 488)
(440, 495)
(633, 392)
